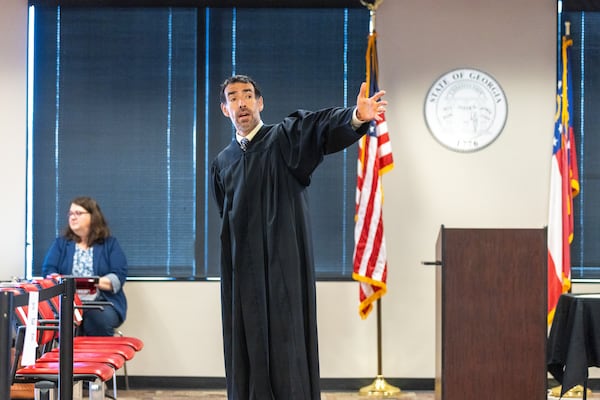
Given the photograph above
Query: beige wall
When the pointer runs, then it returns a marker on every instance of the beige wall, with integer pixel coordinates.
(504, 185)
(13, 91)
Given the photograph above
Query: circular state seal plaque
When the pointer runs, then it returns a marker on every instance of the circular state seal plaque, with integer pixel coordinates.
(465, 110)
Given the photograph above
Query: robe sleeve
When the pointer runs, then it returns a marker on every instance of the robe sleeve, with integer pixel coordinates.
(217, 187)
(306, 137)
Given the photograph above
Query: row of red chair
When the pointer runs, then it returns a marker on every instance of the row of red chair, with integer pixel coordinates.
(94, 358)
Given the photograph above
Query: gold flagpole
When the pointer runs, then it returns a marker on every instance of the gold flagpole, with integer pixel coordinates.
(379, 387)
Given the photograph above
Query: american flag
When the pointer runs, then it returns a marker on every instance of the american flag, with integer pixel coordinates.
(374, 159)
(564, 185)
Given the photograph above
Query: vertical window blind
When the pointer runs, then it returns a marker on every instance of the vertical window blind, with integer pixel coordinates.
(125, 108)
(585, 58)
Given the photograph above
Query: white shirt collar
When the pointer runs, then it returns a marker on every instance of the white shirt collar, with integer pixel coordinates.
(252, 133)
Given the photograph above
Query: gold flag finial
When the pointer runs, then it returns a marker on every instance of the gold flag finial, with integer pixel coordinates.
(371, 4)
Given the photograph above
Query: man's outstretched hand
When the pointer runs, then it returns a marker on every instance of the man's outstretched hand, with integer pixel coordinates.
(370, 108)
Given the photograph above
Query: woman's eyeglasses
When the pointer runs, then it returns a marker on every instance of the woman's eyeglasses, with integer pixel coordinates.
(76, 213)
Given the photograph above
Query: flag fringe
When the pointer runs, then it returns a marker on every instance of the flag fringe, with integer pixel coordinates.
(386, 169)
(551, 316)
(366, 306)
(369, 281)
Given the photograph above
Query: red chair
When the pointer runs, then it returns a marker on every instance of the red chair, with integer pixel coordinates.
(85, 356)
(89, 369)
(49, 371)
(115, 342)
(114, 360)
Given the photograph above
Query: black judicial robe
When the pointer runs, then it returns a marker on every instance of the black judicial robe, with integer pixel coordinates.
(267, 268)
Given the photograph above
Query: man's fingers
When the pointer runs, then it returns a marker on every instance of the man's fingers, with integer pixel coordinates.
(378, 95)
(363, 90)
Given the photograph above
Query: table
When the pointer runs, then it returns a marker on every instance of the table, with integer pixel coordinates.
(574, 339)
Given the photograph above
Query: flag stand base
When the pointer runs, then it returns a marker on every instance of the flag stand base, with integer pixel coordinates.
(573, 393)
(379, 388)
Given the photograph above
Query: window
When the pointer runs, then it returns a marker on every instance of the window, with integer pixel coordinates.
(585, 57)
(124, 107)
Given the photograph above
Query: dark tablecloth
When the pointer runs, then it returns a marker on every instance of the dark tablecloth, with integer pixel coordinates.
(574, 339)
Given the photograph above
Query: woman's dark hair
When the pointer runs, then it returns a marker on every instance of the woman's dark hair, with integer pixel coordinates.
(98, 227)
(239, 79)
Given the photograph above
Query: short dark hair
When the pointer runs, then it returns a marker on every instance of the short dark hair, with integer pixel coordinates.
(239, 79)
(99, 230)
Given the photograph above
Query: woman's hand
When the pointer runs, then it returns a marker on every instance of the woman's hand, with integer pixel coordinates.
(104, 284)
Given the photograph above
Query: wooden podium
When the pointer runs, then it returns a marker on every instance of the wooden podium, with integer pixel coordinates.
(491, 309)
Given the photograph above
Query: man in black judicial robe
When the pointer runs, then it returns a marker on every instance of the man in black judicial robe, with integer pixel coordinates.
(267, 270)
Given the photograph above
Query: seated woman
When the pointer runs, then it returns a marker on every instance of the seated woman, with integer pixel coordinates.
(87, 249)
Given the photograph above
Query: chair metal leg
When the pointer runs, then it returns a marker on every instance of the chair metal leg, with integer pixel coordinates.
(113, 395)
(125, 368)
